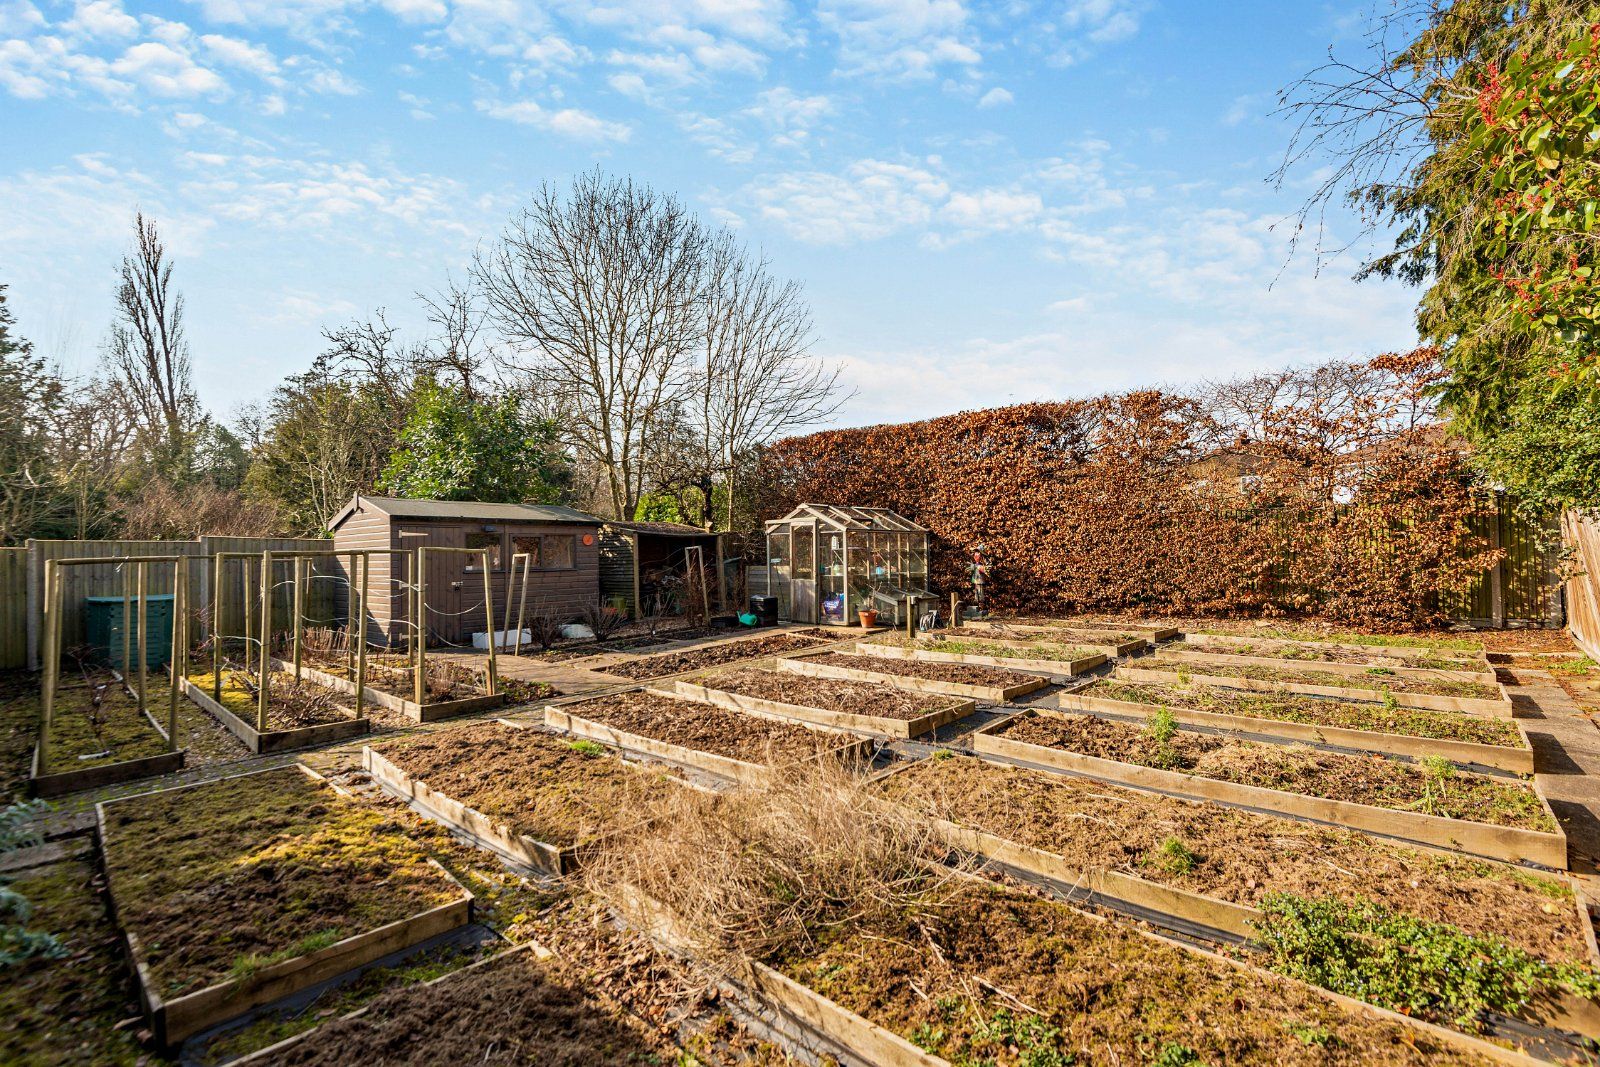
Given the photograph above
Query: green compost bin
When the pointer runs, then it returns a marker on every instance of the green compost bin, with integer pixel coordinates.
(103, 621)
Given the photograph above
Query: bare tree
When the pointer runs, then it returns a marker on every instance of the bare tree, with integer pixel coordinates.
(147, 353)
(598, 290)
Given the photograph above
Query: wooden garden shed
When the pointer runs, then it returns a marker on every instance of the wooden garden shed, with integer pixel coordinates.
(638, 560)
(564, 543)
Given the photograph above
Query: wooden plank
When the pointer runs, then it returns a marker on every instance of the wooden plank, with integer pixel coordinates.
(181, 1017)
(1502, 757)
(1548, 848)
(61, 783)
(988, 693)
(13, 608)
(1055, 668)
(1499, 709)
(741, 771)
(1108, 642)
(269, 741)
(1581, 534)
(1362, 671)
(906, 728)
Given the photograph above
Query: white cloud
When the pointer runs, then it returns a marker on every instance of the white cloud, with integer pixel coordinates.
(19, 16)
(233, 52)
(569, 122)
(871, 199)
(168, 71)
(996, 97)
(790, 115)
(101, 18)
(900, 39)
(993, 209)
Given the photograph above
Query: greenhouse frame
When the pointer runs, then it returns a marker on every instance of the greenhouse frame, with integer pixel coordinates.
(826, 563)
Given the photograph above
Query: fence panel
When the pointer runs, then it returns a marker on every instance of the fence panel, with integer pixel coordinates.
(13, 608)
(1582, 535)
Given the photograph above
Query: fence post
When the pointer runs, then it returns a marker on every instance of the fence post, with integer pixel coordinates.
(299, 608)
(419, 625)
(52, 660)
(263, 682)
(142, 608)
(180, 645)
(361, 632)
(488, 617)
(216, 629)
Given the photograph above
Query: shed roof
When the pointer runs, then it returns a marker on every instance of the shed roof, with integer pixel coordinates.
(470, 510)
(849, 518)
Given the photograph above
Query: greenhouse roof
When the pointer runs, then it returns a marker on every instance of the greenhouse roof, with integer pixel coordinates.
(846, 518)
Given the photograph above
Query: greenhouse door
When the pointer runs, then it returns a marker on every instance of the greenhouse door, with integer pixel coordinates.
(804, 604)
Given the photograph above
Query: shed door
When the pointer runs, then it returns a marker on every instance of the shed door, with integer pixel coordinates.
(446, 584)
(804, 591)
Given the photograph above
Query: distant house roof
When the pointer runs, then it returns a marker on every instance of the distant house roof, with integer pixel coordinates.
(668, 529)
(470, 510)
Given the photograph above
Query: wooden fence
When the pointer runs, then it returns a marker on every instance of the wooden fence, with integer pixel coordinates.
(13, 608)
(107, 579)
(1525, 588)
(1582, 536)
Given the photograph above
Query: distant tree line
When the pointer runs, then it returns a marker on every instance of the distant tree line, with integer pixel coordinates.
(608, 349)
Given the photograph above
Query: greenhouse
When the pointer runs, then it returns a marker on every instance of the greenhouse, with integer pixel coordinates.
(827, 564)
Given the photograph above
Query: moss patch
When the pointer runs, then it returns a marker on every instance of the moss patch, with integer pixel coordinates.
(98, 719)
(216, 879)
(290, 704)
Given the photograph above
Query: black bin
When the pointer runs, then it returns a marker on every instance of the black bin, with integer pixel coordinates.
(765, 609)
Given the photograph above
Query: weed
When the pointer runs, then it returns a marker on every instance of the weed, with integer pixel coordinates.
(248, 965)
(1309, 1033)
(1036, 1041)
(1574, 667)
(928, 1037)
(585, 747)
(1174, 1055)
(943, 754)
(1381, 671)
(1436, 771)
(1161, 728)
(1389, 701)
(1173, 856)
(1406, 963)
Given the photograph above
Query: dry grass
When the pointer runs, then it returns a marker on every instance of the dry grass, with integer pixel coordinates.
(758, 873)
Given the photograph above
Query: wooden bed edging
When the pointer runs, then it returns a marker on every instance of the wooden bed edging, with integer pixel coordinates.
(1058, 668)
(1471, 661)
(1545, 847)
(1499, 709)
(838, 720)
(276, 740)
(1135, 640)
(442, 709)
(479, 828)
(990, 693)
(60, 783)
(1501, 757)
(1352, 670)
(173, 1020)
(741, 771)
(1073, 638)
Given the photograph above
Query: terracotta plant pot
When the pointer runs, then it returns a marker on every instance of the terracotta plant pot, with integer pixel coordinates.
(869, 618)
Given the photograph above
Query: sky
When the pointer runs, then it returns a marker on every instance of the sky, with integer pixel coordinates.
(987, 203)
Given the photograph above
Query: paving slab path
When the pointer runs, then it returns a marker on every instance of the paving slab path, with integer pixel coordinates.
(1566, 755)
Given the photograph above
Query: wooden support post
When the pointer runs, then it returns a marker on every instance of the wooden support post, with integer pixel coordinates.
(264, 679)
(488, 618)
(350, 628)
(522, 603)
(52, 659)
(216, 629)
(180, 645)
(299, 609)
(911, 617)
(360, 632)
(248, 582)
(419, 684)
(142, 609)
(955, 611)
(127, 622)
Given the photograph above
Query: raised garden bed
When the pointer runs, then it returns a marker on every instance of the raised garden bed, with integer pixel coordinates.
(837, 703)
(299, 714)
(697, 659)
(1109, 642)
(732, 744)
(1055, 661)
(1433, 805)
(1466, 645)
(1473, 698)
(1329, 658)
(514, 1006)
(1154, 630)
(1211, 866)
(99, 737)
(990, 975)
(1498, 743)
(238, 892)
(955, 679)
(450, 688)
(528, 795)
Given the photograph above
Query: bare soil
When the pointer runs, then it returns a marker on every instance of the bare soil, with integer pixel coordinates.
(694, 659)
(1317, 711)
(968, 673)
(395, 674)
(1311, 630)
(219, 879)
(1526, 640)
(828, 694)
(1376, 678)
(517, 1010)
(1335, 654)
(707, 728)
(1240, 856)
(1292, 768)
(98, 722)
(535, 782)
(994, 976)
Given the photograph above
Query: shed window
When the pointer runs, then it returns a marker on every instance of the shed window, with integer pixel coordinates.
(551, 552)
(492, 542)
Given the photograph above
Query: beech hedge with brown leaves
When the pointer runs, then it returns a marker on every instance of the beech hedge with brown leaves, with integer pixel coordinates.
(1331, 492)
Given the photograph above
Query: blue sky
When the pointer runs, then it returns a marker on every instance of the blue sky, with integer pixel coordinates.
(987, 203)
